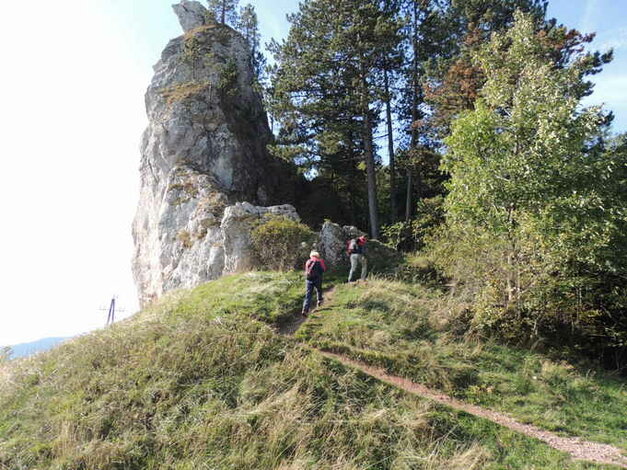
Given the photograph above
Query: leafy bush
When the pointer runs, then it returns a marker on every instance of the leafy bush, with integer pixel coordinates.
(410, 236)
(227, 84)
(535, 210)
(281, 242)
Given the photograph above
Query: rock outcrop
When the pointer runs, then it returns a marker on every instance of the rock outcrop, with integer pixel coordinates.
(332, 242)
(191, 14)
(236, 227)
(203, 151)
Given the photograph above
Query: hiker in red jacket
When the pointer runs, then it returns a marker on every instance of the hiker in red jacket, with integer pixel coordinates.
(356, 249)
(314, 268)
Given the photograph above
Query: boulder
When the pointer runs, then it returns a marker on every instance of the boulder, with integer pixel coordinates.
(236, 226)
(332, 242)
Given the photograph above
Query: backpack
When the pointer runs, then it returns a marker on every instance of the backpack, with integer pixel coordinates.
(313, 269)
(353, 246)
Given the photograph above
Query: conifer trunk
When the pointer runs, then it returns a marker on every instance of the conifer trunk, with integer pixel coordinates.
(388, 115)
(414, 111)
(371, 177)
(408, 197)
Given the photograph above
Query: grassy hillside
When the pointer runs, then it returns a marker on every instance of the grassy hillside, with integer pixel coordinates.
(412, 331)
(203, 381)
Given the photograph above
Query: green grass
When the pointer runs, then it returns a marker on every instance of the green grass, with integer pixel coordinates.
(271, 297)
(201, 380)
(410, 330)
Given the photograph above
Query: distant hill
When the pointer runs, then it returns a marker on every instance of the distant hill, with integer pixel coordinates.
(27, 349)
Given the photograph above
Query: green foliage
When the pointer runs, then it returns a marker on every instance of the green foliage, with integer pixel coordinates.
(281, 243)
(227, 82)
(192, 49)
(381, 259)
(248, 25)
(534, 208)
(328, 87)
(411, 236)
(224, 11)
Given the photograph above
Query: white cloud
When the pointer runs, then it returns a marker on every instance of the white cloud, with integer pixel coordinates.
(614, 39)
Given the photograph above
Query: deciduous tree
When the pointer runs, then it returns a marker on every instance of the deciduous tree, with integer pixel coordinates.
(535, 201)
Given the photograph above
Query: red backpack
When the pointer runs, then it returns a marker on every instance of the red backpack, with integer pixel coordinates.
(313, 268)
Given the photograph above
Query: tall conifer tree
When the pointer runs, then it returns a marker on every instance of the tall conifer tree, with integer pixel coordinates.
(329, 82)
(248, 25)
(224, 11)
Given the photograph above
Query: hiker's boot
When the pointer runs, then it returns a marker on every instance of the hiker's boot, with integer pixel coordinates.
(320, 302)
(304, 313)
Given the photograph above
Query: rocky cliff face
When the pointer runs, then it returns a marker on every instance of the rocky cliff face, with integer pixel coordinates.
(203, 151)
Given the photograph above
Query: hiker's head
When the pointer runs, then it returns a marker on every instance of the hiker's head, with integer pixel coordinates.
(314, 254)
(362, 239)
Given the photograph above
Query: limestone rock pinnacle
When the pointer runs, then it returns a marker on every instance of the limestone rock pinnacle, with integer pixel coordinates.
(204, 150)
(191, 14)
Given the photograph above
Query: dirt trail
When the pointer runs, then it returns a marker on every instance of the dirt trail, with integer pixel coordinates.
(291, 327)
(576, 447)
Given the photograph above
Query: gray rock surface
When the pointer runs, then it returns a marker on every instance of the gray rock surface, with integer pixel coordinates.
(236, 227)
(191, 14)
(332, 242)
(204, 149)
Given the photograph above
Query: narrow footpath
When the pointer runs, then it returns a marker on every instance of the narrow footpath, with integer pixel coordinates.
(578, 448)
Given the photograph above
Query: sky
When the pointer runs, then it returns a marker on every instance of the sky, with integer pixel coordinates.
(72, 113)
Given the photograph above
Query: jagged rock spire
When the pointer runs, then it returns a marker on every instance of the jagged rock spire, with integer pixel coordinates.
(205, 149)
(191, 14)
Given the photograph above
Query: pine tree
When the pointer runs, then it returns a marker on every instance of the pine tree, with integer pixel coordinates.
(248, 25)
(390, 65)
(427, 37)
(452, 80)
(329, 83)
(224, 11)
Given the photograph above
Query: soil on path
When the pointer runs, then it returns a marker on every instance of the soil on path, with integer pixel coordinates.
(576, 447)
(290, 327)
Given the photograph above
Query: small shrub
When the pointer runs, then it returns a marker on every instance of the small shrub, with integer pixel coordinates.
(281, 242)
(227, 84)
(185, 238)
(411, 235)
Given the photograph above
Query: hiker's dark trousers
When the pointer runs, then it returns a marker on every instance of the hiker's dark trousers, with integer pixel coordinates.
(310, 285)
